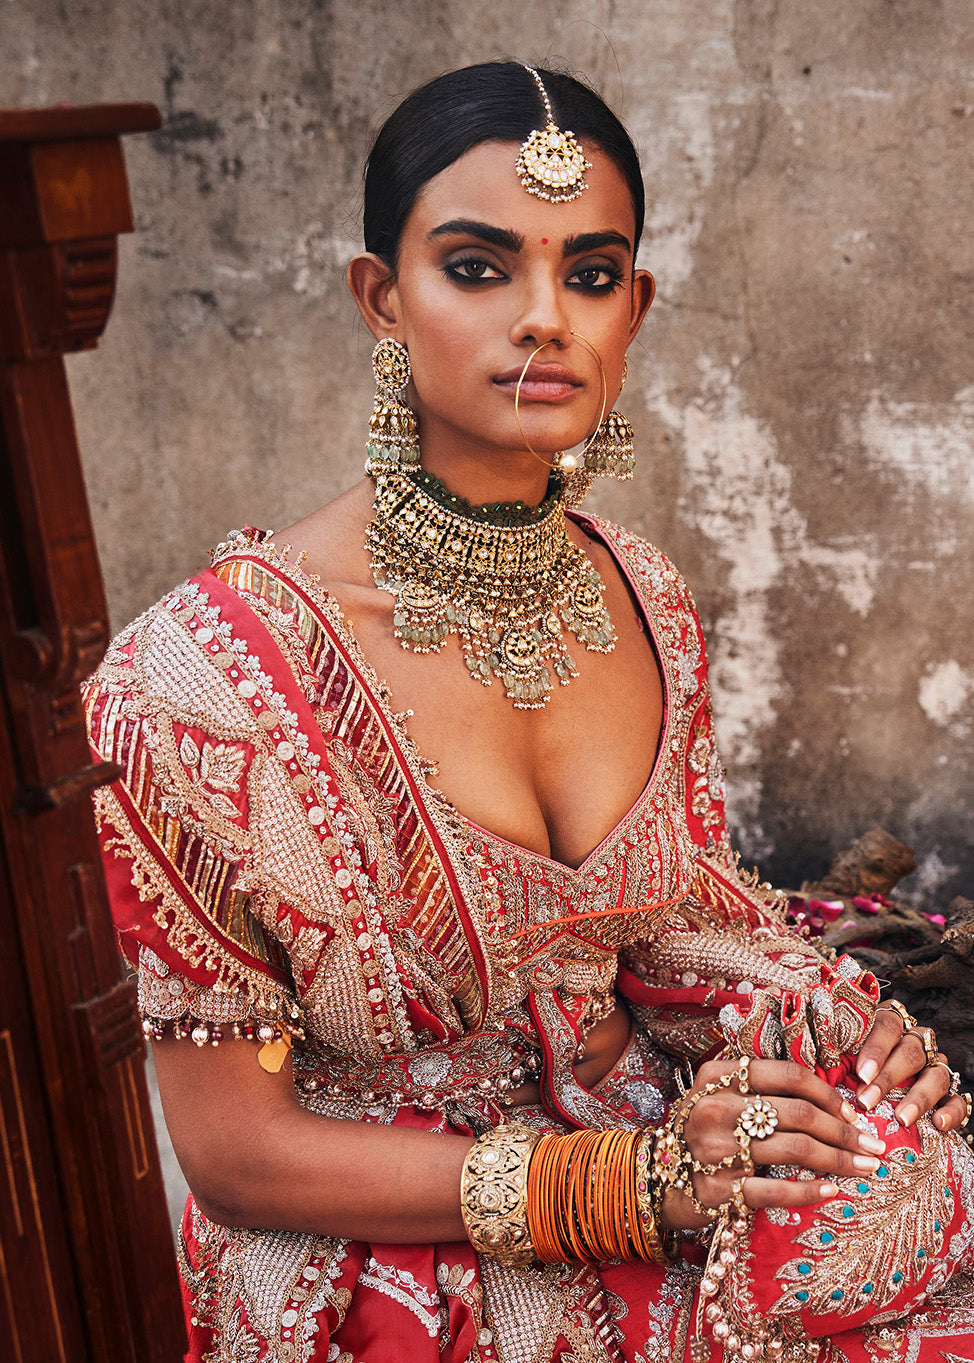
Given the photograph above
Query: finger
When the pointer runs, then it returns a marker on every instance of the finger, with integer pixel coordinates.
(786, 1192)
(929, 1088)
(809, 1140)
(804, 1135)
(951, 1116)
(678, 1212)
(786, 1078)
(903, 1062)
(885, 1034)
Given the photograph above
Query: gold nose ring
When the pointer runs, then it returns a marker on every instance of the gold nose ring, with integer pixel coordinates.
(566, 462)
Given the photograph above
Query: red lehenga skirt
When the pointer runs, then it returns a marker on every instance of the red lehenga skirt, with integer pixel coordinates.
(823, 1276)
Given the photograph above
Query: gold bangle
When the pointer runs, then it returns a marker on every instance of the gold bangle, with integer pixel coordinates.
(656, 1244)
(493, 1194)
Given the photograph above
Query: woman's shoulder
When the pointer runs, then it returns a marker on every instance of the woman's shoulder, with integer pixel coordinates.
(177, 654)
(653, 572)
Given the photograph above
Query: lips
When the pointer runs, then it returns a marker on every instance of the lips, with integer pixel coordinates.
(541, 383)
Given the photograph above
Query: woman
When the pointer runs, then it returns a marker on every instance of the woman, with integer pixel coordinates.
(433, 906)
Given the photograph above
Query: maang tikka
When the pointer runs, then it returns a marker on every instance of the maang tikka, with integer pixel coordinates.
(393, 428)
(551, 164)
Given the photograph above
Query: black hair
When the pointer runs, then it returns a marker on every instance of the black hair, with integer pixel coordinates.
(492, 102)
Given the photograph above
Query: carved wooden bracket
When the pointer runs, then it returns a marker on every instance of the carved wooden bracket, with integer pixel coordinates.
(89, 1274)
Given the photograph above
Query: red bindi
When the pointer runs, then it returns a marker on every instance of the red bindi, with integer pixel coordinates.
(544, 241)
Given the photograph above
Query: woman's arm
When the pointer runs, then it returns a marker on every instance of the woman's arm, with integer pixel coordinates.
(253, 1156)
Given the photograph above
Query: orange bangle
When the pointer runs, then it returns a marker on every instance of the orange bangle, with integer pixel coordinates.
(589, 1198)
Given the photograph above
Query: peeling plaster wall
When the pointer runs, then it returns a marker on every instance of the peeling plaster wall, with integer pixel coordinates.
(802, 391)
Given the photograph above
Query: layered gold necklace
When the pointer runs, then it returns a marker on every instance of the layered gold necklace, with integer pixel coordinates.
(505, 579)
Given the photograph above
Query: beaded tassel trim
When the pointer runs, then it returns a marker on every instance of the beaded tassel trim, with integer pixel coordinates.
(508, 593)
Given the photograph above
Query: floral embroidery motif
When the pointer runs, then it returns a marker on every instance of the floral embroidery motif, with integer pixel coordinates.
(217, 769)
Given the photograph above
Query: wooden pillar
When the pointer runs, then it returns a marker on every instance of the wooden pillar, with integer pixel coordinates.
(87, 1269)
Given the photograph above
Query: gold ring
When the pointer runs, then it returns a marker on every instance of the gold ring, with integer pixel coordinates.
(969, 1103)
(928, 1039)
(743, 1074)
(894, 1006)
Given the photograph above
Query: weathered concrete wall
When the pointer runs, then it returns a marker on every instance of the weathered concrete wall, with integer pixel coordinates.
(802, 390)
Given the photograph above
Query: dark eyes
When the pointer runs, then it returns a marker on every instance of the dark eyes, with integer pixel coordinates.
(594, 279)
(597, 278)
(472, 268)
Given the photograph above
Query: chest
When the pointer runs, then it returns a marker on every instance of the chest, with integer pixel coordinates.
(554, 780)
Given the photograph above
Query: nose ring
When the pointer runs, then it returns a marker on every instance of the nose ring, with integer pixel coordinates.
(567, 463)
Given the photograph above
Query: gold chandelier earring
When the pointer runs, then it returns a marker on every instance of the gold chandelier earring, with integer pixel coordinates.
(610, 452)
(393, 428)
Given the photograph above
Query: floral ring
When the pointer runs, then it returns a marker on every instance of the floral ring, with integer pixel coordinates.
(758, 1119)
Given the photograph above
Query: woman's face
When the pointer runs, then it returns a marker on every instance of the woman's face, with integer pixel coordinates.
(486, 274)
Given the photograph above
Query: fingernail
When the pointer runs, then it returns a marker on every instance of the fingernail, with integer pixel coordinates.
(868, 1142)
(868, 1070)
(907, 1115)
(828, 1189)
(869, 1096)
(866, 1162)
(940, 1119)
(849, 1113)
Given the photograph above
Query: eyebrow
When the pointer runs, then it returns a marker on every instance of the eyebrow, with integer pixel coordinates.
(509, 240)
(494, 236)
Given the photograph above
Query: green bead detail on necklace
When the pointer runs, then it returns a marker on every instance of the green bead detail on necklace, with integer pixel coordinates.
(504, 514)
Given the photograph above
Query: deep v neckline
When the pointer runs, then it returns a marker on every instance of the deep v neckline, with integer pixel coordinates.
(327, 604)
(599, 853)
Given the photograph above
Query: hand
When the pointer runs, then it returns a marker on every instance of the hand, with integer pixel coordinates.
(816, 1131)
(893, 1056)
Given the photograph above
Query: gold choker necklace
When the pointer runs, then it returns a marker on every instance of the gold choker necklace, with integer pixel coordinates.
(507, 592)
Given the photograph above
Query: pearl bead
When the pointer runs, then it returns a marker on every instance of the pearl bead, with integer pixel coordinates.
(721, 1330)
(567, 463)
(732, 1344)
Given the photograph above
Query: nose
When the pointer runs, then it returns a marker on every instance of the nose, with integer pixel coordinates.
(542, 317)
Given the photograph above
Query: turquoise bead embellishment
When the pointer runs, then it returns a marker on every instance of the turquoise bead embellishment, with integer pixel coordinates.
(880, 1236)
